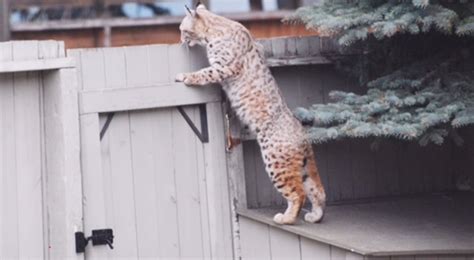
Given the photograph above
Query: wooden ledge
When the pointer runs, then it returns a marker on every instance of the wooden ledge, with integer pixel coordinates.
(36, 65)
(422, 225)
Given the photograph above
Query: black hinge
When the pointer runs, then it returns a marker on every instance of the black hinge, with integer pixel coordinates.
(99, 237)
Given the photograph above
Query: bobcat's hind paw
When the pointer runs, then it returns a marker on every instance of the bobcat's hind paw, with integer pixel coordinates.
(283, 219)
(314, 216)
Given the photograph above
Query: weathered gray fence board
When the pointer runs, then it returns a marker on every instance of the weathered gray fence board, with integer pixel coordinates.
(387, 163)
(63, 188)
(119, 186)
(115, 68)
(9, 242)
(137, 66)
(284, 245)
(28, 154)
(311, 249)
(28, 164)
(189, 216)
(254, 239)
(92, 68)
(203, 189)
(144, 182)
(164, 178)
(217, 182)
(93, 181)
(124, 99)
(159, 69)
(363, 168)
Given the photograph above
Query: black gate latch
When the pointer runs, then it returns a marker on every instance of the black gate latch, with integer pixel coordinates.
(99, 237)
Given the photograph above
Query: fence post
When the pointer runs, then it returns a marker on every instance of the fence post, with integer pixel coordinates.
(62, 148)
(4, 20)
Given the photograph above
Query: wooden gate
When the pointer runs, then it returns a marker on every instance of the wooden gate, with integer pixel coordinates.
(147, 171)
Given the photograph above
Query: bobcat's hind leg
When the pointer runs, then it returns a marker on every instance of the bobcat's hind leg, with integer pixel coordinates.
(315, 192)
(288, 182)
(295, 197)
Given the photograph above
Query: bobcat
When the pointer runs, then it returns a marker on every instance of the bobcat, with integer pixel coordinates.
(237, 62)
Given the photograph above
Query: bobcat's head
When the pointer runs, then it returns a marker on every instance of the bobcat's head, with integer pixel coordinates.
(200, 26)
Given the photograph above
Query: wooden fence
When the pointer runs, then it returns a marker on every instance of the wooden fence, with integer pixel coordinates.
(104, 138)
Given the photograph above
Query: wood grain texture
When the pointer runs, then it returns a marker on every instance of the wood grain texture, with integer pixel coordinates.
(311, 249)
(284, 245)
(214, 179)
(369, 228)
(94, 181)
(61, 156)
(28, 154)
(254, 239)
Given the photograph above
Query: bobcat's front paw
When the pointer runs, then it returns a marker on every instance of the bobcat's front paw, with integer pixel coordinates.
(186, 78)
(180, 77)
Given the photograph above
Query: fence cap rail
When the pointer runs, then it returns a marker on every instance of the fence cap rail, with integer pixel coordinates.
(36, 65)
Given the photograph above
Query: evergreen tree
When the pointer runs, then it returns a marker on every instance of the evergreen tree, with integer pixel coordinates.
(415, 57)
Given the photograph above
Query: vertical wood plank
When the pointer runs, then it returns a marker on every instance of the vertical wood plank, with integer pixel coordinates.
(93, 180)
(311, 249)
(92, 69)
(115, 68)
(137, 66)
(411, 168)
(339, 171)
(157, 59)
(28, 154)
(178, 57)
(250, 173)
(387, 167)
(363, 168)
(119, 186)
(265, 190)
(338, 253)
(284, 245)
(165, 182)
(144, 180)
(9, 247)
(61, 162)
(402, 258)
(254, 239)
(191, 244)
(440, 167)
(76, 54)
(216, 185)
(237, 179)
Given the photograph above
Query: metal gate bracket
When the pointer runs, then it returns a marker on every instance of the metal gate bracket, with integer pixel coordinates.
(99, 237)
(110, 116)
(203, 135)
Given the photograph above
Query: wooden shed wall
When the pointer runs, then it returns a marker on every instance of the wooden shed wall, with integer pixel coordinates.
(262, 241)
(352, 169)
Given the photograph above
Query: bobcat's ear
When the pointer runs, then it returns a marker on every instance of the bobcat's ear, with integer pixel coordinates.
(200, 7)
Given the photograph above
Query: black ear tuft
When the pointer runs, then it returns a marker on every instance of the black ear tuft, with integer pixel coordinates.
(198, 3)
(187, 9)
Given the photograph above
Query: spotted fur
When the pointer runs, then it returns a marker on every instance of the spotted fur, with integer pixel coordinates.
(238, 64)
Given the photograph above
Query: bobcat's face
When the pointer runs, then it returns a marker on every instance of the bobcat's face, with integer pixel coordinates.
(194, 26)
